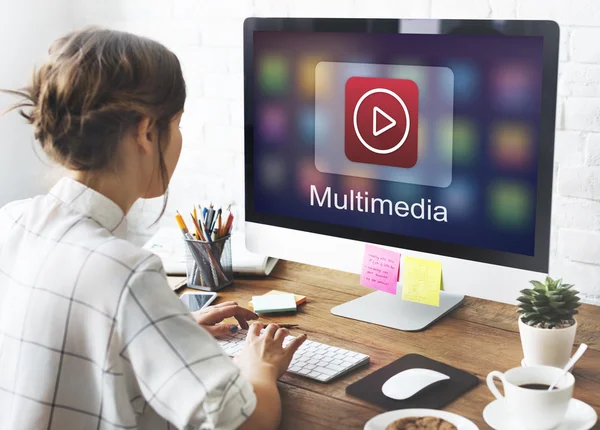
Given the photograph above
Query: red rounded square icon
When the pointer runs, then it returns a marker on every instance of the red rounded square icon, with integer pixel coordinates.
(382, 121)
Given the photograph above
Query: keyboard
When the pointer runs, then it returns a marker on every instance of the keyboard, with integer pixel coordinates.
(312, 360)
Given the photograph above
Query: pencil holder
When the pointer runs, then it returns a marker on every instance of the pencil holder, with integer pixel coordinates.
(209, 265)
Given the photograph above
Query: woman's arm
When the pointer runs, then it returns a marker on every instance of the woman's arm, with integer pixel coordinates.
(262, 362)
(267, 414)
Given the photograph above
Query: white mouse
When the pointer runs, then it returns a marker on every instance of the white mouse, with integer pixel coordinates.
(409, 382)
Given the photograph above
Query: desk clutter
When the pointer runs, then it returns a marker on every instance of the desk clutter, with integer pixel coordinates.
(414, 389)
(166, 243)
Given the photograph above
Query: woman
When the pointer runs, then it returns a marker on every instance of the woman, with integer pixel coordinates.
(91, 336)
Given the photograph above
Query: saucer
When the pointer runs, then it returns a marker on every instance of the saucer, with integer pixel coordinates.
(381, 421)
(579, 416)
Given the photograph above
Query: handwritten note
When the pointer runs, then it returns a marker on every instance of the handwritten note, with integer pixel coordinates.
(422, 281)
(380, 269)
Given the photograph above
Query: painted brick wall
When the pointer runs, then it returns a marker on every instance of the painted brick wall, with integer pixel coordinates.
(207, 36)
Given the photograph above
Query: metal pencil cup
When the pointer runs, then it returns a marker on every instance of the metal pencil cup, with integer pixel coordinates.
(209, 265)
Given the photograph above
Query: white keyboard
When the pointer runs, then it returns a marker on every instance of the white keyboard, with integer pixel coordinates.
(313, 359)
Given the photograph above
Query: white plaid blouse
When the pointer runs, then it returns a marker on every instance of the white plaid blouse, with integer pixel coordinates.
(91, 336)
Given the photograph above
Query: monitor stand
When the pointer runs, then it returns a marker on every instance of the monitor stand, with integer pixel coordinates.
(390, 310)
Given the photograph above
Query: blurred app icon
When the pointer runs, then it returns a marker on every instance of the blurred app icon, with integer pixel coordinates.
(306, 75)
(273, 74)
(273, 123)
(514, 87)
(512, 145)
(467, 85)
(308, 176)
(272, 173)
(511, 204)
(465, 141)
(460, 198)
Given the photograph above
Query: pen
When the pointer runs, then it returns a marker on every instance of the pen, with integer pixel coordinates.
(287, 325)
(281, 325)
(209, 218)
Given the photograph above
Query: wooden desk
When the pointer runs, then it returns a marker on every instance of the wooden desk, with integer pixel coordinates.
(479, 337)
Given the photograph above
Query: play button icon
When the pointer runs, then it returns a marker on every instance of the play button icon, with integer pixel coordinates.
(390, 121)
(381, 121)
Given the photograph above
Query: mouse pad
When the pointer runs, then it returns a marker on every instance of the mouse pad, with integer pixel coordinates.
(433, 397)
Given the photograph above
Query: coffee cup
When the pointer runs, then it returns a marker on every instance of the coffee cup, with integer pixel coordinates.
(528, 403)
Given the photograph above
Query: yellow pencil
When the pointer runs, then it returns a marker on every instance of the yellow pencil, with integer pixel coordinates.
(197, 227)
(181, 224)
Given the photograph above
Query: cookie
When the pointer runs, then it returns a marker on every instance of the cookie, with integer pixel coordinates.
(420, 423)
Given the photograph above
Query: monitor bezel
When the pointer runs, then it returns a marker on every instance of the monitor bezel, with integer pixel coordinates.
(549, 30)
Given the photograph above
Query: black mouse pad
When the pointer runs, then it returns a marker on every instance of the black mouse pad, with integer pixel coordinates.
(433, 397)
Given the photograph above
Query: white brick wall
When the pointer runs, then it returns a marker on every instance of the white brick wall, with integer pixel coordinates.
(207, 35)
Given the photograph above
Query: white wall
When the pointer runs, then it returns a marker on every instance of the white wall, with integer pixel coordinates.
(207, 36)
(27, 27)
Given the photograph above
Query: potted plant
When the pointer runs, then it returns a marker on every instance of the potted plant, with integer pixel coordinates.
(547, 324)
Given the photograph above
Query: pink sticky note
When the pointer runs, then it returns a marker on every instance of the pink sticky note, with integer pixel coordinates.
(380, 269)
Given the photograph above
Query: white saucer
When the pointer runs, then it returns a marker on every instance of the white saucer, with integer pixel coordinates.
(579, 416)
(381, 421)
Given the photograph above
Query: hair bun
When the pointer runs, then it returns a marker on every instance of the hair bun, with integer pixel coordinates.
(95, 85)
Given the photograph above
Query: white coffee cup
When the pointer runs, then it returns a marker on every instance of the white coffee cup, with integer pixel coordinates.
(529, 408)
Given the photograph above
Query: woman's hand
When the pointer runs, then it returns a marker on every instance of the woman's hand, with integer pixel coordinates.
(211, 317)
(264, 355)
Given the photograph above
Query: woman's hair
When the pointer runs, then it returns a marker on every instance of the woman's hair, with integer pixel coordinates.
(96, 85)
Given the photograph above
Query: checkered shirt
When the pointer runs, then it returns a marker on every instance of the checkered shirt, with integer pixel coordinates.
(91, 336)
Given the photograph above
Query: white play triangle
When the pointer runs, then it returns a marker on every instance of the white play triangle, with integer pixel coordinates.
(378, 131)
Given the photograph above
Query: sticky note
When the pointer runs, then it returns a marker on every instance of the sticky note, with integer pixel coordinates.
(299, 299)
(422, 281)
(274, 303)
(380, 269)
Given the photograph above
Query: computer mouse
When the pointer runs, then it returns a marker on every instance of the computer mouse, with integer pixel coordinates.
(409, 382)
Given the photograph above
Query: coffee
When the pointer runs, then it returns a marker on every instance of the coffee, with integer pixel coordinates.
(543, 387)
(527, 398)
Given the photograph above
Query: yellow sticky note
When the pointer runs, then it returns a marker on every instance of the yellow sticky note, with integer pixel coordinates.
(421, 281)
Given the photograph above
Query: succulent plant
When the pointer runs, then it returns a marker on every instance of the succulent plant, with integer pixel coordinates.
(551, 304)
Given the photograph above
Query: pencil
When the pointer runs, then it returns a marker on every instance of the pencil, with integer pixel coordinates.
(181, 224)
(219, 224)
(225, 222)
(205, 230)
(197, 226)
(229, 224)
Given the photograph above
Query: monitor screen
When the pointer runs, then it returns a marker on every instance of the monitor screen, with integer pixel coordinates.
(429, 136)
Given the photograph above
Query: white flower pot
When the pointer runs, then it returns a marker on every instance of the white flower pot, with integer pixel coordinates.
(547, 347)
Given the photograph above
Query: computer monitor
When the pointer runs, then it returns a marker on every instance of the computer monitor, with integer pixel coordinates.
(434, 138)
